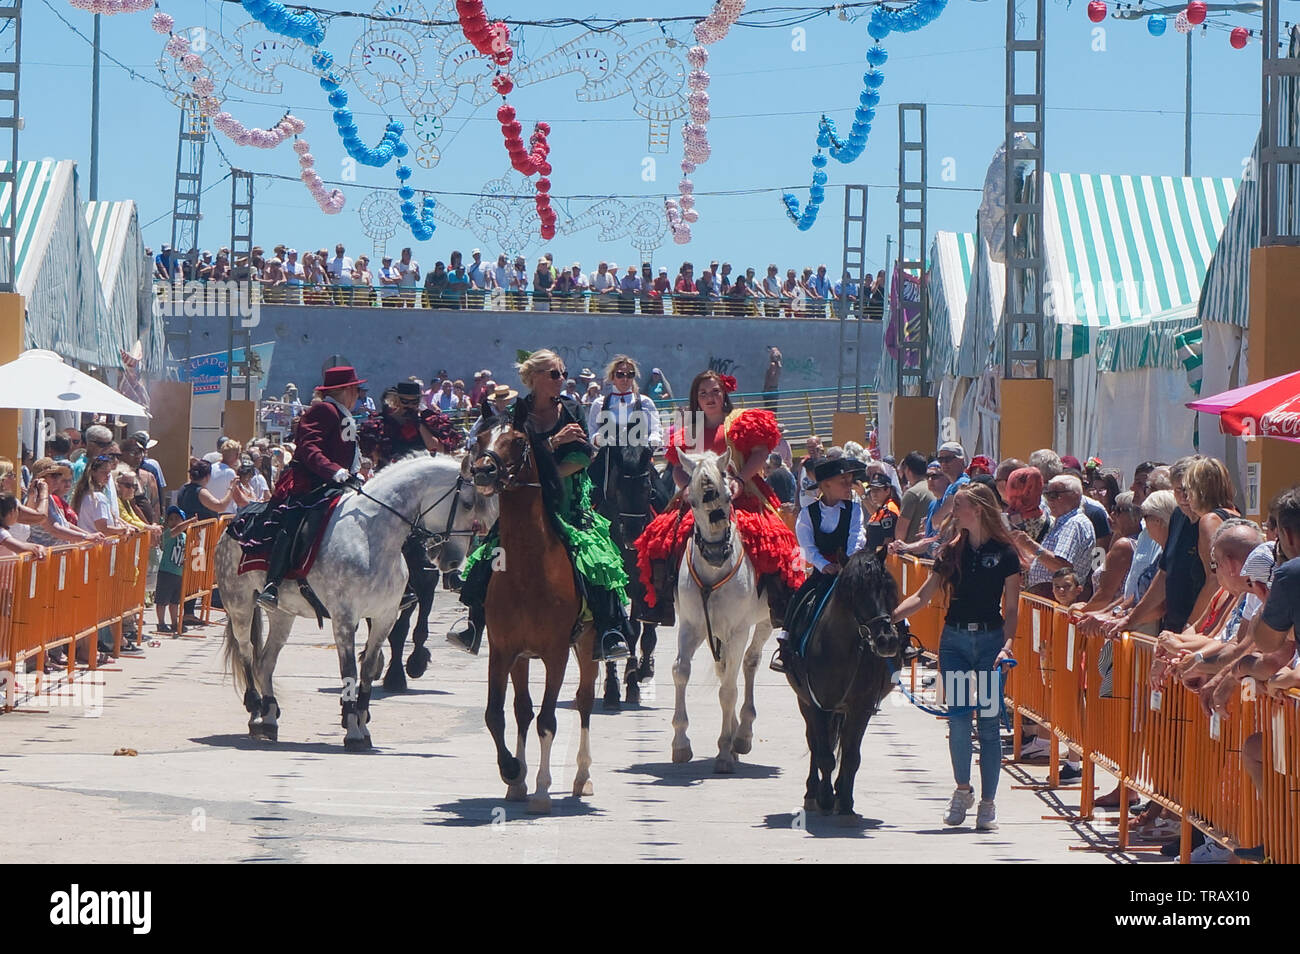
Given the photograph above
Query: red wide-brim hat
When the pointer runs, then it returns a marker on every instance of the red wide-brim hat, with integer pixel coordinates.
(341, 377)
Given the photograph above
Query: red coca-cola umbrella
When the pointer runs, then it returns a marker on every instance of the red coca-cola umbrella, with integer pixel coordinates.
(1267, 409)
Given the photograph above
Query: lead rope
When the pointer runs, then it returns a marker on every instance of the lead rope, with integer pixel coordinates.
(706, 590)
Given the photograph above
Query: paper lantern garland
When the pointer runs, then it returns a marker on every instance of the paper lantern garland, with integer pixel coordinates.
(331, 202)
(112, 7)
(493, 41)
(1196, 11)
(882, 23)
(1096, 11)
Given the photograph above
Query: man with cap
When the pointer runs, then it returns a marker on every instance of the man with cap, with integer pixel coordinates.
(325, 460)
(151, 488)
(496, 401)
(830, 530)
(952, 461)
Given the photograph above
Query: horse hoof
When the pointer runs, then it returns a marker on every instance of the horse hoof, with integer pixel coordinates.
(267, 733)
(611, 699)
(512, 772)
(723, 766)
(810, 804)
(517, 793)
(586, 788)
(633, 694)
(357, 745)
(417, 662)
(849, 819)
(741, 746)
(539, 805)
(646, 672)
(683, 755)
(394, 680)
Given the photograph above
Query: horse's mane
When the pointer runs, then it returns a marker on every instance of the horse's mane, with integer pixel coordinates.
(864, 581)
(399, 468)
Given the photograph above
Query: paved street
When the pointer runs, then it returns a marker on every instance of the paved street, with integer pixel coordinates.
(201, 790)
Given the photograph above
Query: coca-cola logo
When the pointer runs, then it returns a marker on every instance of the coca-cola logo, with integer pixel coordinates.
(1281, 424)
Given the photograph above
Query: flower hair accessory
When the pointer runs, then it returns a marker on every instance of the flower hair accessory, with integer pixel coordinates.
(728, 383)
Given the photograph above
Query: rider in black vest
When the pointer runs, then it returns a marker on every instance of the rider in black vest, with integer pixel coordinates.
(826, 549)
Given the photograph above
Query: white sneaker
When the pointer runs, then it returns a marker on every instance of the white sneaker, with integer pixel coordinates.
(962, 800)
(1037, 749)
(986, 816)
(1211, 853)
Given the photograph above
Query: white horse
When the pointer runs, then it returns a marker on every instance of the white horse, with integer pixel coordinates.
(717, 593)
(359, 573)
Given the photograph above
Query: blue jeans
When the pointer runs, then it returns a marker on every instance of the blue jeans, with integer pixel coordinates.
(973, 687)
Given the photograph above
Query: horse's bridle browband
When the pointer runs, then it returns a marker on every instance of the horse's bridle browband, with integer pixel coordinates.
(510, 482)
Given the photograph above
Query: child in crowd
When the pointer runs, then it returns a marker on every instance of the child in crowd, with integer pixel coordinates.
(167, 594)
(1066, 587)
(8, 518)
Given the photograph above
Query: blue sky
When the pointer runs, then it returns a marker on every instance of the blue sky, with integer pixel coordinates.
(1112, 110)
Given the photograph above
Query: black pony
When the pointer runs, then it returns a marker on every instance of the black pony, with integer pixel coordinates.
(626, 492)
(843, 673)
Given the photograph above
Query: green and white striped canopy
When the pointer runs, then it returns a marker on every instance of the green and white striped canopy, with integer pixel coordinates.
(1122, 249)
(952, 261)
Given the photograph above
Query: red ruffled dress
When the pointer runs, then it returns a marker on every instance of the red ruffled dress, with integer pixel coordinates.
(769, 543)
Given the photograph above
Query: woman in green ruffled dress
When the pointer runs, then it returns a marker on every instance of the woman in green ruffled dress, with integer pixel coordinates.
(555, 426)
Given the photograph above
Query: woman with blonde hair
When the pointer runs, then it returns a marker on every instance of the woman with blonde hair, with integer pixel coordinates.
(90, 499)
(554, 426)
(978, 567)
(1208, 498)
(27, 517)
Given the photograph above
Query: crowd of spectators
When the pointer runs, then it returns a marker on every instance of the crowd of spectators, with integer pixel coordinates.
(511, 285)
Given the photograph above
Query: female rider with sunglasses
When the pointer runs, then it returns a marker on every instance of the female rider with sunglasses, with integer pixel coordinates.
(559, 443)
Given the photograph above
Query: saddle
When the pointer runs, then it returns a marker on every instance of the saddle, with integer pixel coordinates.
(257, 525)
(806, 609)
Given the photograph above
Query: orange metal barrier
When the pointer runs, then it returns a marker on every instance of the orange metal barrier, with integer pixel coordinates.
(1158, 744)
(64, 601)
(197, 579)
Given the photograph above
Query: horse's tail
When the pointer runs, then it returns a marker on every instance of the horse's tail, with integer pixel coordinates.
(230, 660)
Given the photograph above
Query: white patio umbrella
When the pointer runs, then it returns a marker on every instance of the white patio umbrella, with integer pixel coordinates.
(40, 381)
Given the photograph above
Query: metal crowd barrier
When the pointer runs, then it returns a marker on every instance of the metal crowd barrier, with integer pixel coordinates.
(64, 601)
(197, 578)
(1158, 744)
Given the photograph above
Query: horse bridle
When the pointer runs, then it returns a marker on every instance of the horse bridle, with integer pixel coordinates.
(504, 477)
(431, 539)
(715, 552)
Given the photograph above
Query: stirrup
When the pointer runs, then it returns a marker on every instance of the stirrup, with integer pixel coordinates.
(269, 596)
(467, 639)
(610, 645)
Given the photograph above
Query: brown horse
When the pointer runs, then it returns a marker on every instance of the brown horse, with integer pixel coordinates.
(532, 610)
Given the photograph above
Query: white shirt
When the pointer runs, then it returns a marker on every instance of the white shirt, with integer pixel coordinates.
(803, 529)
(222, 477)
(601, 281)
(408, 272)
(340, 266)
(626, 411)
(260, 487)
(94, 506)
(500, 276)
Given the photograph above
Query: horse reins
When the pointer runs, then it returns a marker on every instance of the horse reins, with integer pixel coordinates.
(430, 537)
(707, 589)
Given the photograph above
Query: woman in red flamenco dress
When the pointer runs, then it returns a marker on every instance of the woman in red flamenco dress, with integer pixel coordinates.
(744, 439)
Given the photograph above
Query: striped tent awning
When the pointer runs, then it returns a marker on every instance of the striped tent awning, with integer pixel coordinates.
(1151, 343)
(56, 270)
(1122, 249)
(952, 262)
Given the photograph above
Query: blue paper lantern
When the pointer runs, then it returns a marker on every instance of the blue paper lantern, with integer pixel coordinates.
(819, 160)
(877, 56)
(874, 79)
(1157, 25)
(403, 172)
(877, 29)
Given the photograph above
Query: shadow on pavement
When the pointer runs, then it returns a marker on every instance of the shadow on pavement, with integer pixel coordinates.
(475, 812)
(696, 771)
(249, 744)
(823, 826)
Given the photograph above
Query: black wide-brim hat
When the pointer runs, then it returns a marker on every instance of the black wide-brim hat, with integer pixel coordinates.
(407, 389)
(826, 469)
(341, 377)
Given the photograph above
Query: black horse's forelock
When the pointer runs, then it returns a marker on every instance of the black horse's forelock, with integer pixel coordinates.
(867, 584)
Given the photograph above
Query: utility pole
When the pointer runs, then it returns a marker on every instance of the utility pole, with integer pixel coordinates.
(94, 116)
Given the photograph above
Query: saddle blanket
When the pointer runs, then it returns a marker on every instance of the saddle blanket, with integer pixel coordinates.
(256, 559)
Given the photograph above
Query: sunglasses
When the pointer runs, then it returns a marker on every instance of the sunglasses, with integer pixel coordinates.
(1053, 494)
(621, 375)
(558, 374)
(944, 460)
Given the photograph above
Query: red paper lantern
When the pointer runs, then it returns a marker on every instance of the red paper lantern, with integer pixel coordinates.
(544, 168)
(505, 113)
(1097, 11)
(1196, 13)
(502, 83)
(1238, 37)
(544, 185)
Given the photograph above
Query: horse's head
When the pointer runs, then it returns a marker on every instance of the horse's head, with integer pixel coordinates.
(502, 459)
(708, 490)
(871, 596)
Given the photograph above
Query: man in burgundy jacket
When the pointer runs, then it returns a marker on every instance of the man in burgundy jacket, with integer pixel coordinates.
(326, 459)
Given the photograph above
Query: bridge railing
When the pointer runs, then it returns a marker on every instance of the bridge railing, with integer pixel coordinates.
(1158, 743)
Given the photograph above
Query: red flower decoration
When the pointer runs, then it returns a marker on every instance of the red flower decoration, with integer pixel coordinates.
(728, 383)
